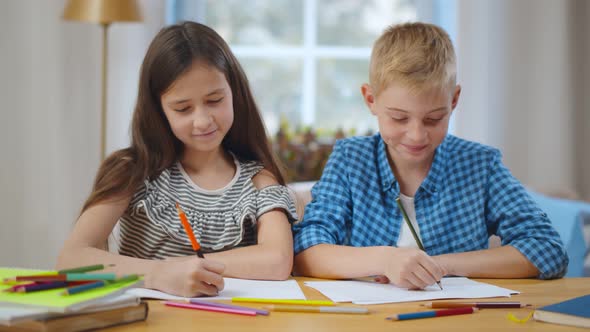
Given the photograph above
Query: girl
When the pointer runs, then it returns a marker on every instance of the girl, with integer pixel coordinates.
(197, 140)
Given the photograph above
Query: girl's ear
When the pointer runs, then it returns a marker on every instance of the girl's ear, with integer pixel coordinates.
(456, 96)
(368, 97)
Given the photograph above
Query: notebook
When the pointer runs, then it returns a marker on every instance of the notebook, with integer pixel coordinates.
(83, 321)
(13, 314)
(574, 312)
(53, 301)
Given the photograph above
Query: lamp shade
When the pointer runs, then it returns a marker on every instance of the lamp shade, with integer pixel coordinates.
(102, 11)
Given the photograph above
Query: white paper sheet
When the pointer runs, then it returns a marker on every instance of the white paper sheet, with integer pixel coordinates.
(288, 289)
(365, 292)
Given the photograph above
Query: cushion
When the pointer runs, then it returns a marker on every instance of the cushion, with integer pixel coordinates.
(568, 218)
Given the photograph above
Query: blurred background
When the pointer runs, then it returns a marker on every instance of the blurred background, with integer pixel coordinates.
(523, 66)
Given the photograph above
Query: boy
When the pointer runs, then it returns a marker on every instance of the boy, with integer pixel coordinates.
(456, 193)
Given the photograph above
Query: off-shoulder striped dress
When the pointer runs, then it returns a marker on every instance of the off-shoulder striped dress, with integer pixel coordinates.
(221, 219)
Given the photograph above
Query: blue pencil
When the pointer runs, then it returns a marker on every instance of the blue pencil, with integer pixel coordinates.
(85, 287)
(41, 286)
(434, 313)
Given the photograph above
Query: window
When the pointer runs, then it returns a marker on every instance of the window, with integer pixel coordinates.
(306, 59)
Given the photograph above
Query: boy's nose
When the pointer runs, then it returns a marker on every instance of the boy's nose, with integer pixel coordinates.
(416, 132)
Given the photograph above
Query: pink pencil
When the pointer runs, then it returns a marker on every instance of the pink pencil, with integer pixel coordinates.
(211, 308)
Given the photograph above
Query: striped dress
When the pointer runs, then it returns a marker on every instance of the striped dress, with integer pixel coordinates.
(221, 219)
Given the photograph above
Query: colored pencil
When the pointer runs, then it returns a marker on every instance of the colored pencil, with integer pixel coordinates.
(83, 288)
(16, 288)
(211, 308)
(282, 301)
(189, 231)
(42, 286)
(409, 223)
(223, 305)
(67, 277)
(319, 309)
(98, 284)
(125, 278)
(481, 305)
(48, 276)
(434, 313)
(83, 269)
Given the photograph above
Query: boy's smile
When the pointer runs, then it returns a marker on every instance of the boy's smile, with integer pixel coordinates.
(412, 124)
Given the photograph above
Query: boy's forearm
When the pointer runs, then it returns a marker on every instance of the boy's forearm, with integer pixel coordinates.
(340, 262)
(502, 262)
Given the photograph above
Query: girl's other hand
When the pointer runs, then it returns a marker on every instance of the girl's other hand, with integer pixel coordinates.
(187, 276)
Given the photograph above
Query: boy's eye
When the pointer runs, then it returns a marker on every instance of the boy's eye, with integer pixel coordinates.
(399, 119)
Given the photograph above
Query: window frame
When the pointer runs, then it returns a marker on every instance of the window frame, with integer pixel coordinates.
(442, 12)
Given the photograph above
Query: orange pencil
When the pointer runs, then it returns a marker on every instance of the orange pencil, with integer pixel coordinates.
(189, 231)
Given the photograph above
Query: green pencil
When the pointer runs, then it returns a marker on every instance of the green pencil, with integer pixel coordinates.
(409, 223)
(83, 269)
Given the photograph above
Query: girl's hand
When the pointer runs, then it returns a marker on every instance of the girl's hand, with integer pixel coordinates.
(187, 277)
(410, 268)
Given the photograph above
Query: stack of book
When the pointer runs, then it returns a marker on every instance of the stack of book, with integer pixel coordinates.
(27, 303)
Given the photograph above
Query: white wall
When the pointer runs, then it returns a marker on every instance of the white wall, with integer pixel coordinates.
(50, 92)
(520, 67)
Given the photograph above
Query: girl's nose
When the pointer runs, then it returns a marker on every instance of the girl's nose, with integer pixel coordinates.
(202, 121)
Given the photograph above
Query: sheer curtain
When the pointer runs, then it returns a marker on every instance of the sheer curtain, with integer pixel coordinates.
(523, 66)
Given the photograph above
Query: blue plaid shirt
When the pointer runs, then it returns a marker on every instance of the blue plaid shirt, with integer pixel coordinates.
(467, 195)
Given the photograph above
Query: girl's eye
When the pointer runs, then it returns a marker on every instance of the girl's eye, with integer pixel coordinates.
(215, 101)
(399, 119)
(182, 110)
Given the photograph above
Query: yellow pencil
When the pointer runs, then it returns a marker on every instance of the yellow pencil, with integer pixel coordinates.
(319, 309)
(281, 301)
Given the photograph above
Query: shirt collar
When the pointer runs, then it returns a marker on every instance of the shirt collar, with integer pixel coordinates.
(431, 184)
(388, 181)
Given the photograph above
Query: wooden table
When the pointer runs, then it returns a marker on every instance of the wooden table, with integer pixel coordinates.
(535, 292)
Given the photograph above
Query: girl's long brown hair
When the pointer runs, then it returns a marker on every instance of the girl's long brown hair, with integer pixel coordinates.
(153, 145)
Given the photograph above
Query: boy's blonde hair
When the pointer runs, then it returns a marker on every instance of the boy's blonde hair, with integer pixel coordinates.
(417, 55)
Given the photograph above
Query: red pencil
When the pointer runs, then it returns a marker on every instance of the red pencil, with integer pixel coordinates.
(482, 305)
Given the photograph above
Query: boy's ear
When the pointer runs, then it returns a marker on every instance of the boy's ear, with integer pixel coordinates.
(456, 95)
(368, 97)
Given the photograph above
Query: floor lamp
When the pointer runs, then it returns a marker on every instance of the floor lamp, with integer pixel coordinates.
(103, 12)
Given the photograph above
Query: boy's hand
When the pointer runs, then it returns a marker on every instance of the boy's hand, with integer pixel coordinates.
(410, 268)
(187, 277)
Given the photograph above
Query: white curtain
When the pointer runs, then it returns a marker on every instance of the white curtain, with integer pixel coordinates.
(524, 68)
(49, 127)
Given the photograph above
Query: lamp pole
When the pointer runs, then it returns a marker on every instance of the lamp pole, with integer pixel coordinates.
(103, 12)
(103, 99)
